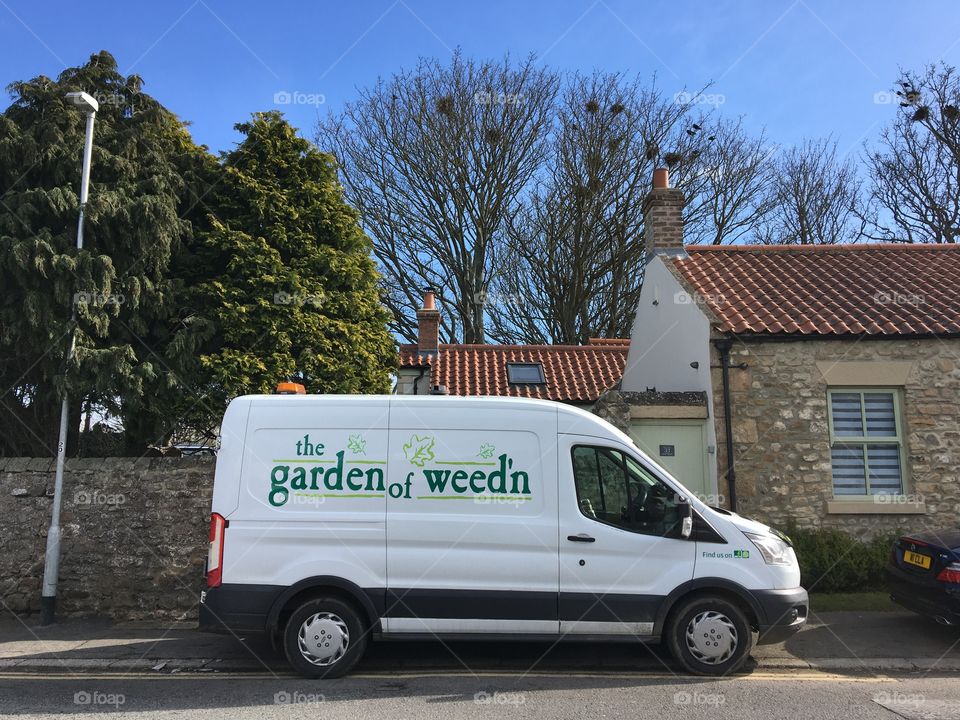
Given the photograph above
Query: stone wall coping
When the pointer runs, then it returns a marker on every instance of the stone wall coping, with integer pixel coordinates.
(42, 464)
(652, 397)
(668, 412)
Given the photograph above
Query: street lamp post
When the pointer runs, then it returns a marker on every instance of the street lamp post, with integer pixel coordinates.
(51, 563)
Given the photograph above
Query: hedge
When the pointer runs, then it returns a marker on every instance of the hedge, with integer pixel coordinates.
(832, 561)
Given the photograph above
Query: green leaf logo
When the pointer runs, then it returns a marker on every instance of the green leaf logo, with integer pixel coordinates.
(486, 450)
(419, 450)
(357, 445)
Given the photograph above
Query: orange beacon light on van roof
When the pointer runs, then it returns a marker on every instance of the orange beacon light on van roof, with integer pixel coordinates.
(290, 388)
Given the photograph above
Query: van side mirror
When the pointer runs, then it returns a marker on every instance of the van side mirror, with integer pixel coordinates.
(686, 526)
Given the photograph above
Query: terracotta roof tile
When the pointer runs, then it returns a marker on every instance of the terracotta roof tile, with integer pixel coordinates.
(828, 289)
(573, 373)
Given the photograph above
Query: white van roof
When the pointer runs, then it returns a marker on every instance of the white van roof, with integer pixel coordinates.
(569, 419)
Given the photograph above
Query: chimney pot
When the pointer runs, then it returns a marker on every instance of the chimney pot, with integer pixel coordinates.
(429, 301)
(661, 178)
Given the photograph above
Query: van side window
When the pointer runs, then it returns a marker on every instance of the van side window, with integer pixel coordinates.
(613, 488)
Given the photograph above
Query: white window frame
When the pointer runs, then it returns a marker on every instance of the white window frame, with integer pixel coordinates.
(864, 440)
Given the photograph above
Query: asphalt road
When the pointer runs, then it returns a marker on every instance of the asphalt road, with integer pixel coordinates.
(450, 696)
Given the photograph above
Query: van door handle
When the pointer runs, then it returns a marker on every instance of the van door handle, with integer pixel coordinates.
(582, 537)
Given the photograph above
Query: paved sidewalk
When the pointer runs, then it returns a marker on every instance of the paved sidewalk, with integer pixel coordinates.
(837, 642)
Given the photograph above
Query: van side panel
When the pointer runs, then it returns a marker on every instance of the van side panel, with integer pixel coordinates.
(312, 498)
(472, 519)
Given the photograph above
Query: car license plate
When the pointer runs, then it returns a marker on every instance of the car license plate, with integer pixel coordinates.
(916, 559)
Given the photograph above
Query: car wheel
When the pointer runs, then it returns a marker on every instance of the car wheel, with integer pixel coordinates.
(709, 636)
(324, 638)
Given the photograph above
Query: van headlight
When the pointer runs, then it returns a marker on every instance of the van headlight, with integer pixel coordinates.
(774, 550)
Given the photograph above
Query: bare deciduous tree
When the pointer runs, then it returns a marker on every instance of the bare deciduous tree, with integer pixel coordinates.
(816, 197)
(915, 174)
(576, 251)
(522, 208)
(435, 160)
(735, 192)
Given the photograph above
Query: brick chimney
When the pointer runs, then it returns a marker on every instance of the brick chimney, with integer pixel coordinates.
(428, 318)
(663, 217)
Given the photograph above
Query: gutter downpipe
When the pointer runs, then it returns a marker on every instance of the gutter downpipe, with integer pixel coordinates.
(723, 347)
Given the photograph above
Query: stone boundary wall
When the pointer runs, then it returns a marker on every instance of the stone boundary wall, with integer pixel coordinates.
(135, 535)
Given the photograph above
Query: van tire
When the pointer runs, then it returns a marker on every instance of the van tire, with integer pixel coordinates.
(709, 635)
(336, 641)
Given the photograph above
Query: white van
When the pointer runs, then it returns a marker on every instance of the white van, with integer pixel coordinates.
(340, 519)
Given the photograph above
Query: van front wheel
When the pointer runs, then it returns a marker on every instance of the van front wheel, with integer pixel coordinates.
(324, 638)
(709, 635)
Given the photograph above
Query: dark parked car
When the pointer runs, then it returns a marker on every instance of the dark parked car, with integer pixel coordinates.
(923, 574)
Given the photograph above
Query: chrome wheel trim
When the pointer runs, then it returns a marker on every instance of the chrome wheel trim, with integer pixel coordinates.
(711, 637)
(323, 639)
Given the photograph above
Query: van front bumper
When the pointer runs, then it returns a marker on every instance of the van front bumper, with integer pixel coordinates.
(784, 612)
(237, 608)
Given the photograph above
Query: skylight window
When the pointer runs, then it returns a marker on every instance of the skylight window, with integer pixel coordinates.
(525, 374)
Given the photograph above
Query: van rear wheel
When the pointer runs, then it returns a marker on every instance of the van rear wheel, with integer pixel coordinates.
(709, 635)
(324, 638)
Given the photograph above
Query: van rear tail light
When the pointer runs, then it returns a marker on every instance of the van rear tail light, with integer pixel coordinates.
(950, 574)
(215, 555)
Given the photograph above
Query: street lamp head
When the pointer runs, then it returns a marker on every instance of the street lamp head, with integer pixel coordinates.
(83, 100)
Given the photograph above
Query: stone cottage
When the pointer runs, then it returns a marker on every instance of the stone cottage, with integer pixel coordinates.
(813, 384)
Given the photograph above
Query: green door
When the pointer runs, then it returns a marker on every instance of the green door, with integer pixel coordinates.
(680, 446)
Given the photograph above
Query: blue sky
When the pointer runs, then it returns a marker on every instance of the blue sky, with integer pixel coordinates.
(798, 68)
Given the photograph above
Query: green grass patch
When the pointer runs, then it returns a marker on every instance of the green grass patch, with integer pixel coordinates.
(863, 602)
